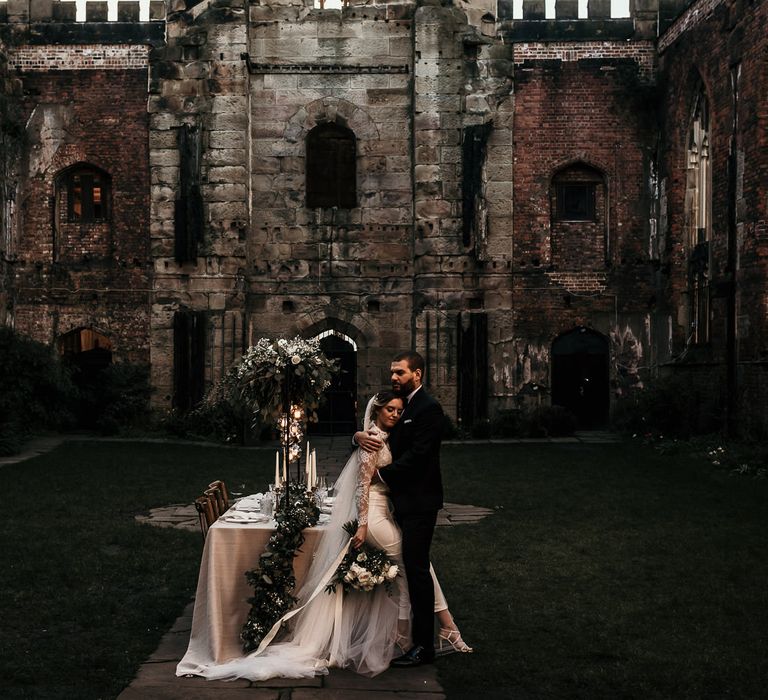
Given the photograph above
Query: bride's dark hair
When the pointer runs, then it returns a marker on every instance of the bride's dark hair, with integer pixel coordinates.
(381, 399)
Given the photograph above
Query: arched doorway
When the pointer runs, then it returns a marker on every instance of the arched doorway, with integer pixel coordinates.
(337, 414)
(580, 376)
(88, 350)
(88, 353)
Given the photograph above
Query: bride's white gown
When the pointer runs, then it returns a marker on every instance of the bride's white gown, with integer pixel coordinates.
(355, 630)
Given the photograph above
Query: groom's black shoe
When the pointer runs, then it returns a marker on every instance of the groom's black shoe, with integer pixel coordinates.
(418, 656)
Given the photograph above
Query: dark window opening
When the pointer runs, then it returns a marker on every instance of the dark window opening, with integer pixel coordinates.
(189, 336)
(88, 196)
(575, 201)
(331, 167)
(188, 208)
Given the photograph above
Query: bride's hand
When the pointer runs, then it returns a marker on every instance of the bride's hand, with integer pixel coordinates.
(368, 442)
(359, 537)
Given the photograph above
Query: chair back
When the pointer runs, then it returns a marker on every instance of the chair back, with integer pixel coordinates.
(205, 513)
(212, 504)
(224, 493)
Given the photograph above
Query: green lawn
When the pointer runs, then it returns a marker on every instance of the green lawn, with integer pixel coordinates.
(606, 571)
(86, 592)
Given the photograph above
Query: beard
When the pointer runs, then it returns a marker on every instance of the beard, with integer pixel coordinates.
(403, 389)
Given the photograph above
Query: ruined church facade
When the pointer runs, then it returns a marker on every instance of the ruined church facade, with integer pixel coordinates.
(551, 210)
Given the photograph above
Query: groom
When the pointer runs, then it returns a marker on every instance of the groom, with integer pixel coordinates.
(416, 490)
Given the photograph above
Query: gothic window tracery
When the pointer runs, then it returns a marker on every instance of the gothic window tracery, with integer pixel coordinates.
(698, 218)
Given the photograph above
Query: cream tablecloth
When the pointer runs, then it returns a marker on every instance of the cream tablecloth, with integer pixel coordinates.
(221, 601)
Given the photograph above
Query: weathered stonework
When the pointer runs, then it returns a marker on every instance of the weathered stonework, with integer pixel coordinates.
(468, 130)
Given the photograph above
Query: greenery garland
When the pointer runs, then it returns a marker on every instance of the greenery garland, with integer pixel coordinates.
(273, 580)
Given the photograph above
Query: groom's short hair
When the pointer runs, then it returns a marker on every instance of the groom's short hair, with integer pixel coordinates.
(414, 359)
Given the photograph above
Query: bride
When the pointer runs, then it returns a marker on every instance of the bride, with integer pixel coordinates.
(357, 630)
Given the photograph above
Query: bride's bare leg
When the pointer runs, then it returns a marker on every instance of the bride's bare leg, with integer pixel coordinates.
(449, 636)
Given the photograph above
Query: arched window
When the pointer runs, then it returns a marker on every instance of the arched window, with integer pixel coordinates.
(698, 202)
(88, 192)
(331, 167)
(578, 202)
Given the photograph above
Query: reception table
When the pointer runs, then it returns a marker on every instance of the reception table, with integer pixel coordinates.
(221, 601)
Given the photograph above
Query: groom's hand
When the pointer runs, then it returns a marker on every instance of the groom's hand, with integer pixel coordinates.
(368, 442)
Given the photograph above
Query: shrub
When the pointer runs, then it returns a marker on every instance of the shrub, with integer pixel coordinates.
(450, 431)
(114, 398)
(481, 429)
(550, 421)
(508, 424)
(220, 416)
(220, 422)
(674, 406)
(37, 390)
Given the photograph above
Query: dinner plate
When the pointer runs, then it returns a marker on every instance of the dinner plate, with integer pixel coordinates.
(245, 517)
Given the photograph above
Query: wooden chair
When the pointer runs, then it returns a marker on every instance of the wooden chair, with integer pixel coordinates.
(205, 513)
(223, 496)
(212, 504)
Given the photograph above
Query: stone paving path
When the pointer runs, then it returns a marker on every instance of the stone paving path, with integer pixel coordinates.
(36, 446)
(156, 680)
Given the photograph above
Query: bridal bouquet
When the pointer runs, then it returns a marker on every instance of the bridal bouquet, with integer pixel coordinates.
(363, 569)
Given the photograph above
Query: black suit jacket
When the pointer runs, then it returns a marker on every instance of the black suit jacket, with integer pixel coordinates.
(414, 479)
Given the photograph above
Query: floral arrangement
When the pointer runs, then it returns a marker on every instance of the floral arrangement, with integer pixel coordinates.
(281, 373)
(363, 569)
(273, 580)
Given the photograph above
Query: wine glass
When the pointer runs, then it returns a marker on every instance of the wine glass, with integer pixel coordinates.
(321, 490)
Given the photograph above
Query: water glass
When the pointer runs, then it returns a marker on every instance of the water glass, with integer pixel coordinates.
(268, 502)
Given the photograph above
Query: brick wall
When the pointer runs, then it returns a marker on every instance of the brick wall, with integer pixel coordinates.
(68, 275)
(699, 52)
(48, 57)
(582, 104)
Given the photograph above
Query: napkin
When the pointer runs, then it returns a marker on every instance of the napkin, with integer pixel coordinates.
(249, 503)
(235, 517)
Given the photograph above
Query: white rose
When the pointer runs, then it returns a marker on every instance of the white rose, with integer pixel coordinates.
(364, 577)
(295, 360)
(379, 579)
(392, 571)
(348, 577)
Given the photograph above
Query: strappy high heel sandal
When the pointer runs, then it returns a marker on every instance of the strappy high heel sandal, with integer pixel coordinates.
(449, 641)
(403, 642)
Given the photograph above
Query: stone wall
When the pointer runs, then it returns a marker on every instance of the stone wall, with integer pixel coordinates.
(11, 144)
(713, 47)
(462, 120)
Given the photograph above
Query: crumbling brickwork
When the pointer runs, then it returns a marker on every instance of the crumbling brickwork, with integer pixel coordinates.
(514, 194)
(717, 50)
(67, 274)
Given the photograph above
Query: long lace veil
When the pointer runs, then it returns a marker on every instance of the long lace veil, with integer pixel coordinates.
(355, 630)
(344, 510)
